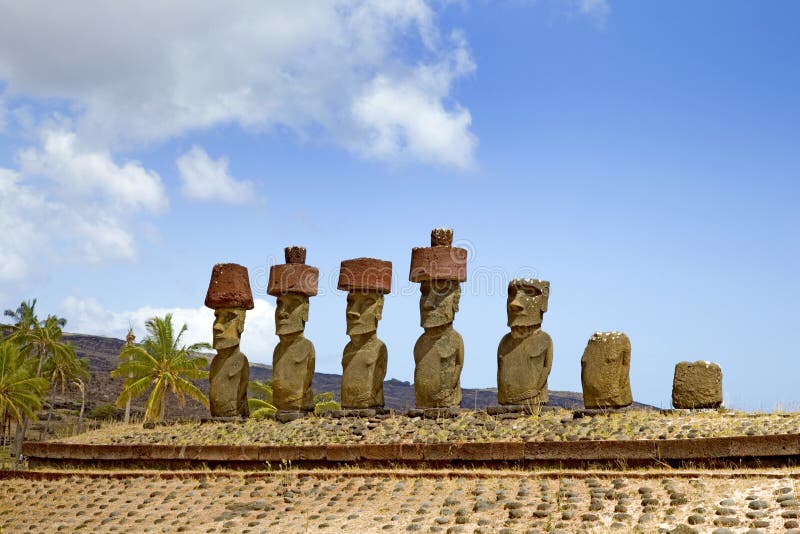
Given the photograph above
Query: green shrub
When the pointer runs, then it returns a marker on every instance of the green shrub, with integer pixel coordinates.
(260, 400)
(104, 411)
(325, 402)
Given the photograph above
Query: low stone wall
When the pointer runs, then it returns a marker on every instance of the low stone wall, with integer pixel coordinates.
(739, 449)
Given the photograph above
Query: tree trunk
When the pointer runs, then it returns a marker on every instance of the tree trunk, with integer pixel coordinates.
(50, 411)
(41, 363)
(19, 439)
(83, 405)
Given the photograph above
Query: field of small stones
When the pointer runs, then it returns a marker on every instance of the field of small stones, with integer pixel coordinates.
(496, 502)
(468, 426)
(446, 500)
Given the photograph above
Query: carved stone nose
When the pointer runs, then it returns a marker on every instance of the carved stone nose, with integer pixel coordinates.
(516, 306)
(353, 315)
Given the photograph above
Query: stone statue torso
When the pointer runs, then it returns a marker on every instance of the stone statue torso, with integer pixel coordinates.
(364, 368)
(292, 371)
(523, 366)
(228, 379)
(439, 358)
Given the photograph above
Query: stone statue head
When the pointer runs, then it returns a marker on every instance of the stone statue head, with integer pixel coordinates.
(527, 301)
(438, 302)
(228, 327)
(291, 313)
(364, 310)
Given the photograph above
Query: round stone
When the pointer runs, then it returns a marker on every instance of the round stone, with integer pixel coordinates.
(696, 519)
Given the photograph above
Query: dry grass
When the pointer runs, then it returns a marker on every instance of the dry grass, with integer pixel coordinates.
(468, 427)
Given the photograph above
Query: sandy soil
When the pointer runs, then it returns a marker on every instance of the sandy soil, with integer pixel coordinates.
(502, 502)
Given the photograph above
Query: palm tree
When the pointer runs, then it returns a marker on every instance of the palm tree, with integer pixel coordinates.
(61, 369)
(81, 385)
(260, 402)
(20, 391)
(43, 342)
(38, 341)
(161, 362)
(24, 318)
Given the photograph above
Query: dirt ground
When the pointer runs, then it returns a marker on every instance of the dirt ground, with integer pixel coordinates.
(403, 501)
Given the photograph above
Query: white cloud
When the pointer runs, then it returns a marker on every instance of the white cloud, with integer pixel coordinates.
(88, 316)
(203, 178)
(596, 9)
(68, 204)
(141, 75)
(38, 229)
(405, 115)
(20, 236)
(3, 115)
(86, 174)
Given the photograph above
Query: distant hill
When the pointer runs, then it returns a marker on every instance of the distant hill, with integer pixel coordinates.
(102, 354)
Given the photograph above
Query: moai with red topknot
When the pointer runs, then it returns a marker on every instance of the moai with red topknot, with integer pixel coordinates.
(293, 359)
(439, 351)
(230, 297)
(365, 357)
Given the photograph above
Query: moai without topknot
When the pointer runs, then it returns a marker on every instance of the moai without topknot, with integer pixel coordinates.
(230, 297)
(605, 371)
(293, 359)
(697, 385)
(439, 352)
(365, 357)
(525, 355)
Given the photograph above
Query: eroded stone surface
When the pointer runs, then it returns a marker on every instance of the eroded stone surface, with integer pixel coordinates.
(294, 276)
(229, 287)
(365, 274)
(605, 371)
(697, 385)
(525, 355)
(439, 351)
(230, 370)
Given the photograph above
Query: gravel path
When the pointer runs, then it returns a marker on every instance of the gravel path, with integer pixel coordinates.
(556, 425)
(498, 503)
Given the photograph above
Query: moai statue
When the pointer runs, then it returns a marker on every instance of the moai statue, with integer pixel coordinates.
(605, 371)
(230, 296)
(525, 355)
(439, 351)
(293, 359)
(364, 360)
(697, 385)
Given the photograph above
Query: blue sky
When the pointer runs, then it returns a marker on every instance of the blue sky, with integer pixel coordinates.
(641, 156)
